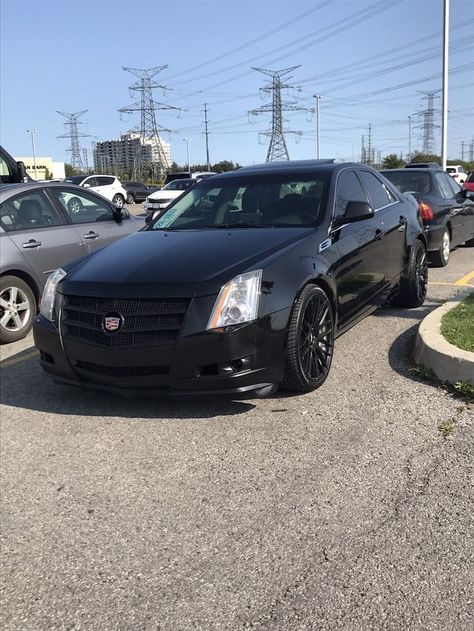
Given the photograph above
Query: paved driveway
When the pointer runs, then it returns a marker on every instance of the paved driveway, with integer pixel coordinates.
(343, 509)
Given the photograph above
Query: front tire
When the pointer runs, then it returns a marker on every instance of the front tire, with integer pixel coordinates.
(310, 341)
(118, 200)
(414, 283)
(440, 258)
(17, 309)
(74, 205)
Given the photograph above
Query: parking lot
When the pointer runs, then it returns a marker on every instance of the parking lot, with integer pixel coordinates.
(347, 508)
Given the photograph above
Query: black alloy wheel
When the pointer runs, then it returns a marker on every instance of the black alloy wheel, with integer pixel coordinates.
(414, 284)
(310, 341)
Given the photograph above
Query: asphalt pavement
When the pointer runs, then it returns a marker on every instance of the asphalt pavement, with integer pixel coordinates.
(350, 508)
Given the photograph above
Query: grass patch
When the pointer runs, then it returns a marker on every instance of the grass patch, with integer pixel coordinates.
(446, 427)
(457, 326)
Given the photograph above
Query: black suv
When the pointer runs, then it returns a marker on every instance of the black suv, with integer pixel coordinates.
(137, 191)
(240, 287)
(446, 209)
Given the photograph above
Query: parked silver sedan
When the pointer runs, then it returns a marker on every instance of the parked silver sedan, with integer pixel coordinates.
(43, 226)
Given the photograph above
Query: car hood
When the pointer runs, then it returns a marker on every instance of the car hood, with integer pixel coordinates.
(180, 263)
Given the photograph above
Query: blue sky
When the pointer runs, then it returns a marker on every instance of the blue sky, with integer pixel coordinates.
(369, 59)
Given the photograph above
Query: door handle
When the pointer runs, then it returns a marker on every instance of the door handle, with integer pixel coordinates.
(31, 244)
(378, 234)
(91, 235)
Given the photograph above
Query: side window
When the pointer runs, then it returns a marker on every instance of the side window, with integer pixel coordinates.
(349, 189)
(103, 180)
(444, 187)
(90, 181)
(28, 212)
(5, 175)
(82, 207)
(378, 193)
(455, 187)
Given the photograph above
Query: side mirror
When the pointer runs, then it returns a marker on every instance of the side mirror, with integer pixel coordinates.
(357, 211)
(22, 171)
(464, 193)
(120, 214)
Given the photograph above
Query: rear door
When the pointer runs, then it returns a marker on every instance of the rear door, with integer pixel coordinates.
(467, 211)
(42, 234)
(451, 207)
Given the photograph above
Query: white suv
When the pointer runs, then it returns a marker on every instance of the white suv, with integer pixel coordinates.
(108, 186)
(457, 172)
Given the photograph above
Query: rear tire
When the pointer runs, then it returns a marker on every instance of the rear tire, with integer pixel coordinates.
(130, 199)
(17, 309)
(414, 283)
(440, 258)
(470, 243)
(310, 341)
(118, 200)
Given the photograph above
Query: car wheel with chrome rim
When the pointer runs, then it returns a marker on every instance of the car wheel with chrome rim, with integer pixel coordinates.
(17, 309)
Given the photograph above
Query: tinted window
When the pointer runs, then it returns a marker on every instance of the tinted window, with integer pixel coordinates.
(104, 180)
(444, 187)
(379, 194)
(349, 189)
(82, 207)
(28, 211)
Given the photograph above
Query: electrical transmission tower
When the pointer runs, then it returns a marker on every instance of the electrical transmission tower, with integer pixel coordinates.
(428, 125)
(77, 154)
(149, 128)
(277, 149)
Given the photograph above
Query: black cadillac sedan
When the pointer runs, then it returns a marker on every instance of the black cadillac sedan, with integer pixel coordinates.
(240, 287)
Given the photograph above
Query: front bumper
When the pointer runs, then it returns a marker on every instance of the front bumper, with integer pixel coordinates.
(240, 363)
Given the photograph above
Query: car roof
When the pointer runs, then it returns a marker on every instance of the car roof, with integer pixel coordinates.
(25, 186)
(284, 167)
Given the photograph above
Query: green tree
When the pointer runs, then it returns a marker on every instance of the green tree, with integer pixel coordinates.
(392, 161)
(47, 174)
(425, 157)
(70, 170)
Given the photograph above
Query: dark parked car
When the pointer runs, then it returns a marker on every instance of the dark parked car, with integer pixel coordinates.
(137, 191)
(11, 170)
(240, 287)
(42, 226)
(447, 210)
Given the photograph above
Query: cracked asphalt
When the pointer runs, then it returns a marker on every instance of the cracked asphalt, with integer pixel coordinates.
(347, 509)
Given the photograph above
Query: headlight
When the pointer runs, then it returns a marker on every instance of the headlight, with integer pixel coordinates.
(237, 301)
(49, 293)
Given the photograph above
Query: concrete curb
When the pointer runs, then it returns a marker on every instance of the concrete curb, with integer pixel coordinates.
(434, 352)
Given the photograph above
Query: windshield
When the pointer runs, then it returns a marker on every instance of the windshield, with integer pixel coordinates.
(179, 185)
(248, 201)
(75, 179)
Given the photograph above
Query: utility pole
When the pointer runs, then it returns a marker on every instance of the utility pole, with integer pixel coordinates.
(206, 132)
(462, 150)
(74, 135)
(33, 132)
(277, 149)
(409, 138)
(444, 123)
(186, 140)
(148, 126)
(317, 97)
(471, 150)
(369, 149)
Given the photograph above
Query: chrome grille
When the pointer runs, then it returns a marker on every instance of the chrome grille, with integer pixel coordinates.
(147, 321)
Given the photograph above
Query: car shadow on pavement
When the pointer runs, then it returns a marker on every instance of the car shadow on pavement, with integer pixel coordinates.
(24, 385)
